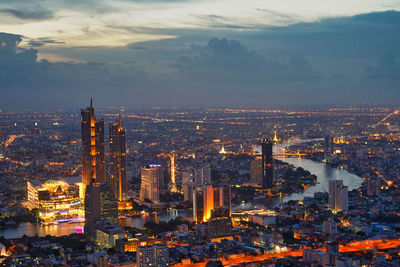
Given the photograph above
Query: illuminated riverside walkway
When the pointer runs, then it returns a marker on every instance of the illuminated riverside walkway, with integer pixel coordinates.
(355, 246)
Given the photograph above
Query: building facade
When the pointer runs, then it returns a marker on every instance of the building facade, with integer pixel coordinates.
(338, 195)
(267, 163)
(207, 198)
(203, 176)
(100, 205)
(220, 224)
(118, 159)
(256, 173)
(93, 162)
(151, 177)
(57, 200)
(156, 255)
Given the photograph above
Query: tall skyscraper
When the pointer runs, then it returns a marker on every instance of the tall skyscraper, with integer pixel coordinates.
(342, 198)
(198, 205)
(156, 255)
(333, 184)
(267, 163)
(220, 223)
(256, 173)
(172, 171)
(222, 197)
(207, 198)
(338, 195)
(150, 183)
(118, 159)
(93, 162)
(100, 204)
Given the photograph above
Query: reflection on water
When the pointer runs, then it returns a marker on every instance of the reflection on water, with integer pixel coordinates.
(139, 221)
(31, 229)
(323, 172)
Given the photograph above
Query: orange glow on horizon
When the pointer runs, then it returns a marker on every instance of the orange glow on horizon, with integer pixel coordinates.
(355, 246)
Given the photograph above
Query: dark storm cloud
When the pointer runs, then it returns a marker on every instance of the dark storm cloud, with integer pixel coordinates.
(361, 36)
(20, 72)
(38, 42)
(387, 67)
(329, 61)
(229, 61)
(28, 12)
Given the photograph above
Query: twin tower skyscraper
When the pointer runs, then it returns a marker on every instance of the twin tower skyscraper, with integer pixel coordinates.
(93, 153)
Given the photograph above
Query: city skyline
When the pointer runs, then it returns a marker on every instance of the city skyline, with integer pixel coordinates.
(322, 170)
(200, 133)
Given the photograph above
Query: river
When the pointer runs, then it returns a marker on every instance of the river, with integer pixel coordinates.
(323, 172)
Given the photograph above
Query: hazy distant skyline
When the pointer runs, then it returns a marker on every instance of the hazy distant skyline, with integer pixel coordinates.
(151, 53)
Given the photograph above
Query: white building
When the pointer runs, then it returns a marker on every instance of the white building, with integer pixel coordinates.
(332, 191)
(151, 177)
(338, 195)
(156, 255)
(263, 219)
(316, 256)
(329, 227)
(342, 198)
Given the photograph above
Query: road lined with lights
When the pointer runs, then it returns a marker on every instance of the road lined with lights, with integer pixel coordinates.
(355, 246)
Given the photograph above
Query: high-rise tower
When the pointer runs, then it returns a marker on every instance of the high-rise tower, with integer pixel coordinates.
(267, 163)
(206, 198)
(256, 172)
(118, 159)
(100, 204)
(150, 183)
(93, 162)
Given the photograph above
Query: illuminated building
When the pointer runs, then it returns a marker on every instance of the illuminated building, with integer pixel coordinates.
(222, 197)
(172, 168)
(100, 205)
(156, 255)
(118, 159)
(220, 224)
(93, 162)
(341, 198)
(198, 205)
(132, 243)
(57, 200)
(256, 172)
(332, 191)
(338, 195)
(107, 234)
(150, 183)
(222, 150)
(275, 138)
(207, 198)
(263, 218)
(267, 164)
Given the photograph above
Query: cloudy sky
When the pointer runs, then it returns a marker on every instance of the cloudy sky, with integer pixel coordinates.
(199, 52)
